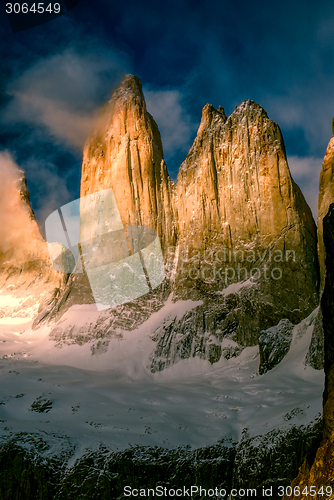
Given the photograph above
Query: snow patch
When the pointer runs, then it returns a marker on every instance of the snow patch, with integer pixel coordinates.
(236, 287)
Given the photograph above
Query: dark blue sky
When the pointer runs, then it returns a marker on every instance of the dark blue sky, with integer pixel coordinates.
(56, 75)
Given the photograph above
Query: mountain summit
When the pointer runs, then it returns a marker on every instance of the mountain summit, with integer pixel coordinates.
(124, 152)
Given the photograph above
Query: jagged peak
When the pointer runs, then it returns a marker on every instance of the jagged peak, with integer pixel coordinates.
(221, 110)
(22, 188)
(249, 107)
(129, 87)
(128, 94)
(208, 111)
(210, 117)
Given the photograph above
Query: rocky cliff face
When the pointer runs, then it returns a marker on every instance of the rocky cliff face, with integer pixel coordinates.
(30, 466)
(235, 187)
(124, 152)
(318, 472)
(237, 235)
(241, 218)
(326, 197)
(27, 278)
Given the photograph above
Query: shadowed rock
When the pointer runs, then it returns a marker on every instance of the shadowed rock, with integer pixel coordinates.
(326, 197)
(274, 344)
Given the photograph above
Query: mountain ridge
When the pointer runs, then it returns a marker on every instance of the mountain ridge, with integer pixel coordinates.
(234, 196)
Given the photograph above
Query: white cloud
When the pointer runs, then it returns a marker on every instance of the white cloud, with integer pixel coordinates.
(313, 120)
(306, 172)
(50, 188)
(16, 226)
(61, 93)
(175, 124)
(56, 100)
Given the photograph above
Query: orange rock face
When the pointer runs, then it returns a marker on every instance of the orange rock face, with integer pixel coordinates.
(235, 184)
(125, 153)
(235, 190)
(326, 197)
(319, 475)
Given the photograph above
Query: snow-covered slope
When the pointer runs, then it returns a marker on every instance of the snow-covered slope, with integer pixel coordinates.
(105, 392)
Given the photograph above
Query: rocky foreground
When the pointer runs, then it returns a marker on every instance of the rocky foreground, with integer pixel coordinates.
(29, 472)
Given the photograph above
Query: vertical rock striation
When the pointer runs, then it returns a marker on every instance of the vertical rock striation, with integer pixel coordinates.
(326, 197)
(124, 152)
(235, 191)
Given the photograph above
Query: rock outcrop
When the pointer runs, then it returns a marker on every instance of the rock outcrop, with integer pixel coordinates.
(26, 274)
(326, 197)
(124, 153)
(318, 473)
(274, 344)
(316, 353)
(241, 218)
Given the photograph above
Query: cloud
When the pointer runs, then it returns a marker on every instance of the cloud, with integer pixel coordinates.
(175, 124)
(62, 93)
(17, 228)
(51, 189)
(53, 104)
(306, 172)
(307, 128)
